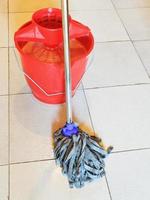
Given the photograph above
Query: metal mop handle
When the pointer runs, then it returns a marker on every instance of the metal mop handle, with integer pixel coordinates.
(65, 14)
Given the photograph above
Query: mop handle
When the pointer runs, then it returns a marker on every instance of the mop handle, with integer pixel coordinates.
(65, 22)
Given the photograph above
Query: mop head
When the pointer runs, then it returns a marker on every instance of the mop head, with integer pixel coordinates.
(80, 156)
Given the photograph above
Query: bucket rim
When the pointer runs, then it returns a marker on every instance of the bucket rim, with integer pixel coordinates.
(46, 10)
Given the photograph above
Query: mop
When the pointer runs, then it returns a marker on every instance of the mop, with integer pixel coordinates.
(80, 156)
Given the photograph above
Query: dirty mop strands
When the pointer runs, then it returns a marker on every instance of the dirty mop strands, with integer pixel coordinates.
(79, 155)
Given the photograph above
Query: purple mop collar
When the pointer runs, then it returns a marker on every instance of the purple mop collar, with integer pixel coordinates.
(70, 129)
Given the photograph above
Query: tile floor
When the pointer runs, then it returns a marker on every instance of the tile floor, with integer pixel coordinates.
(113, 101)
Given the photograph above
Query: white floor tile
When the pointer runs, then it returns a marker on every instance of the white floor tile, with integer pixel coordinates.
(3, 182)
(4, 27)
(115, 64)
(3, 130)
(104, 24)
(47, 182)
(31, 133)
(143, 48)
(128, 175)
(90, 5)
(137, 22)
(3, 71)
(131, 3)
(17, 80)
(121, 115)
(18, 6)
(16, 20)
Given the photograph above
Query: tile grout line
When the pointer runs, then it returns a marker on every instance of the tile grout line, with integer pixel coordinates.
(91, 120)
(8, 102)
(88, 10)
(142, 40)
(108, 187)
(122, 22)
(93, 88)
(32, 161)
(117, 86)
(3, 165)
(3, 47)
(131, 150)
(53, 159)
(29, 161)
(71, 10)
(132, 8)
(141, 59)
(3, 95)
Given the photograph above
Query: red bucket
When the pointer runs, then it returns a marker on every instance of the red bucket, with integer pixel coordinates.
(40, 43)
